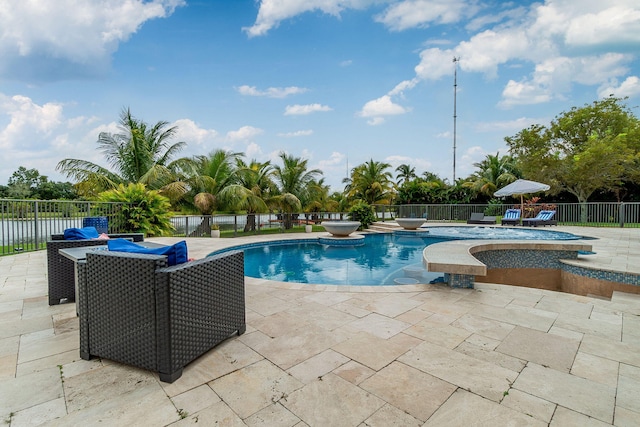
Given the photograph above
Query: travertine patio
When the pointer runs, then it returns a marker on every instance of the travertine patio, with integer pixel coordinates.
(346, 356)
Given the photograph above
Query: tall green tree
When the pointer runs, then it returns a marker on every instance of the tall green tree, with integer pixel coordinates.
(252, 192)
(594, 147)
(405, 174)
(371, 182)
(293, 179)
(320, 199)
(493, 173)
(139, 154)
(211, 175)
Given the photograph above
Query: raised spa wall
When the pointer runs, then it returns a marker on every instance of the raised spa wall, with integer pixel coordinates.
(546, 269)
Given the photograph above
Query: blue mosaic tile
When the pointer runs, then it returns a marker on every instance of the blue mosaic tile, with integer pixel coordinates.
(459, 280)
(524, 258)
(609, 276)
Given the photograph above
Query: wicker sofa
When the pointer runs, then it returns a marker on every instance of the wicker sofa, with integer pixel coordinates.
(61, 271)
(135, 310)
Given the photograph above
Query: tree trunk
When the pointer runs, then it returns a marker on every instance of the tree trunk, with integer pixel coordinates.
(203, 229)
(251, 223)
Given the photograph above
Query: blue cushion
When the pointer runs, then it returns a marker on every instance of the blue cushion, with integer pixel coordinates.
(512, 214)
(176, 254)
(80, 233)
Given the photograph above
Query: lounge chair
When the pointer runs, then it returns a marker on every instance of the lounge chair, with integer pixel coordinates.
(479, 218)
(136, 310)
(61, 270)
(511, 217)
(543, 218)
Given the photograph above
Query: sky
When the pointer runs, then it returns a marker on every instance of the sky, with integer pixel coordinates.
(336, 82)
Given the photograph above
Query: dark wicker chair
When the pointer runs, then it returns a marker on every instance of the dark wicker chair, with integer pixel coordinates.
(135, 310)
(61, 270)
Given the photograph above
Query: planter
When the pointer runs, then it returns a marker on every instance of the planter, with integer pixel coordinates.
(215, 233)
(410, 223)
(308, 228)
(340, 228)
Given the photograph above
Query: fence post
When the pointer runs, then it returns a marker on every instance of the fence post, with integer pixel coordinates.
(235, 225)
(621, 214)
(35, 220)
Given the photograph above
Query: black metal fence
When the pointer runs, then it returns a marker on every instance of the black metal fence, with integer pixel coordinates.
(596, 214)
(26, 225)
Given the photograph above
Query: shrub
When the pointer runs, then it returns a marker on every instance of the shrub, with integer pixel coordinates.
(362, 212)
(141, 210)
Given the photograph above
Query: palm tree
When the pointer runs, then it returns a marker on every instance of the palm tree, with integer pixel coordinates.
(252, 191)
(210, 175)
(494, 172)
(140, 154)
(213, 173)
(320, 200)
(371, 182)
(405, 173)
(293, 181)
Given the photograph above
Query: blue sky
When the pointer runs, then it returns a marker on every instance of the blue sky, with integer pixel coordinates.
(337, 82)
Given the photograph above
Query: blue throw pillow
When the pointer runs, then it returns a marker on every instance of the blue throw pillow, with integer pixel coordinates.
(176, 254)
(81, 233)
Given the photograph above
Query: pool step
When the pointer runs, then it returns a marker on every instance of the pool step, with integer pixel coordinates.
(383, 227)
(626, 298)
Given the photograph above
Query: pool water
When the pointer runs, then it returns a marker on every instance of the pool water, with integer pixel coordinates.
(383, 259)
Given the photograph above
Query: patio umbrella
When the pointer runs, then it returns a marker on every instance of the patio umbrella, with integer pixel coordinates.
(521, 187)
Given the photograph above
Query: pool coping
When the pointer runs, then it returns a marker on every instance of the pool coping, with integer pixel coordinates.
(457, 256)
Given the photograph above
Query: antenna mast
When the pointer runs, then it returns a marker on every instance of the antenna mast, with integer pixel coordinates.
(455, 116)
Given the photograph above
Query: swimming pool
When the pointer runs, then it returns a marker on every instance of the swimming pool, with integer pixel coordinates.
(383, 259)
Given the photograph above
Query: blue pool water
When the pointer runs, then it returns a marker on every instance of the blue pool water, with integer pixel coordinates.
(383, 259)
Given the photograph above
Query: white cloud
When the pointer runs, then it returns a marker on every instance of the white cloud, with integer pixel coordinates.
(523, 93)
(420, 13)
(508, 125)
(38, 136)
(272, 92)
(69, 36)
(29, 122)
(591, 70)
(375, 121)
(272, 12)
(296, 133)
(253, 151)
(629, 87)
(419, 164)
(402, 86)
(191, 133)
(295, 110)
(554, 77)
(243, 134)
(617, 24)
(538, 37)
(378, 108)
(336, 158)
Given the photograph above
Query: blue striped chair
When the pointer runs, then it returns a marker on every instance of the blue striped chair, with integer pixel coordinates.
(543, 218)
(511, 217)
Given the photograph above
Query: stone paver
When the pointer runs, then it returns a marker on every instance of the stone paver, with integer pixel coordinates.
(544, 349)
(319, 355)
(586, 397)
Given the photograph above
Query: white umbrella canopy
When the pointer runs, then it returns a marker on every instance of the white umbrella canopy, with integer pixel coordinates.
(521, 187)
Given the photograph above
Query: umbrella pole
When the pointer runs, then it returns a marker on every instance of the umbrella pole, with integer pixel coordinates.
(521, 207)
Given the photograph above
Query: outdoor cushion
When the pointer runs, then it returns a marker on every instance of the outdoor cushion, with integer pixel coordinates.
(81, 233)
(176, 254)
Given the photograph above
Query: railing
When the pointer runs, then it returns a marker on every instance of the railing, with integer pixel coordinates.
(596, 214)
(26, 225)
(201, 225)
